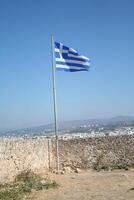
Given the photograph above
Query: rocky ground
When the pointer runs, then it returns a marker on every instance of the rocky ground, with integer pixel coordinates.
(90, 185)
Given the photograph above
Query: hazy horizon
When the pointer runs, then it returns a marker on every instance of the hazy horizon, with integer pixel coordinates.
(65, 121)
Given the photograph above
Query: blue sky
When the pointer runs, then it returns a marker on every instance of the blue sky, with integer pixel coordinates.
(102, 30)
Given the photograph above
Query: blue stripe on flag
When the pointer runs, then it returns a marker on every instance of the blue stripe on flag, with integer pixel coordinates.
(73, 53)
(70, 70)
(57, 45)
(65, 56)
(65, 48)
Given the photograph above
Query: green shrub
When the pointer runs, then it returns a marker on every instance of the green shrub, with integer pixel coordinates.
(24, 183)
(132, 189)
(113, 166)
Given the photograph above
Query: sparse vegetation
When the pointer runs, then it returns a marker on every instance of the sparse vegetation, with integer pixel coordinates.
(23, 185)
(97, 164)
(113, 167)
(132, 189)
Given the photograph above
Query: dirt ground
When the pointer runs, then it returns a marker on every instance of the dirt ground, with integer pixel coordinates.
(90, 185)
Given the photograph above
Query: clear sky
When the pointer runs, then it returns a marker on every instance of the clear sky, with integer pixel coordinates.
(102, 30)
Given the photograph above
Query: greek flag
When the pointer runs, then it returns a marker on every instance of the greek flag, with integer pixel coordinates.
(68, 59)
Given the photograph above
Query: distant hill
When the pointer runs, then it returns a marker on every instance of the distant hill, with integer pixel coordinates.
(76, 123)
(122, 119)
(66, 125)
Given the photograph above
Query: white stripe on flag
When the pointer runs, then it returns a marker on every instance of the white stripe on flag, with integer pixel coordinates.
(72, 61)
(68, 67)
(72, 50)
(63, 51)
(79, 56)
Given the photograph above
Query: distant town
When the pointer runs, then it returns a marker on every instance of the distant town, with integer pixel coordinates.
(78, 129)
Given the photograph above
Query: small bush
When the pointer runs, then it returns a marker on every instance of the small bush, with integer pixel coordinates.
(113, 167)
(50, 184)
(120, 166)
(24, 183)
(102, 167)
(132, 188)
(27, 176)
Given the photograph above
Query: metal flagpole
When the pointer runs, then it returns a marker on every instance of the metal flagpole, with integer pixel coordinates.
(55, 104)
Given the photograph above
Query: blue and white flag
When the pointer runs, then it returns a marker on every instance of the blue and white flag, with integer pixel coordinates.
(68, 59)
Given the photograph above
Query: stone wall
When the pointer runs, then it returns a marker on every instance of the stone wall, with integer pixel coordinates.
(89, 152)
(38, 154)
(21, 154)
